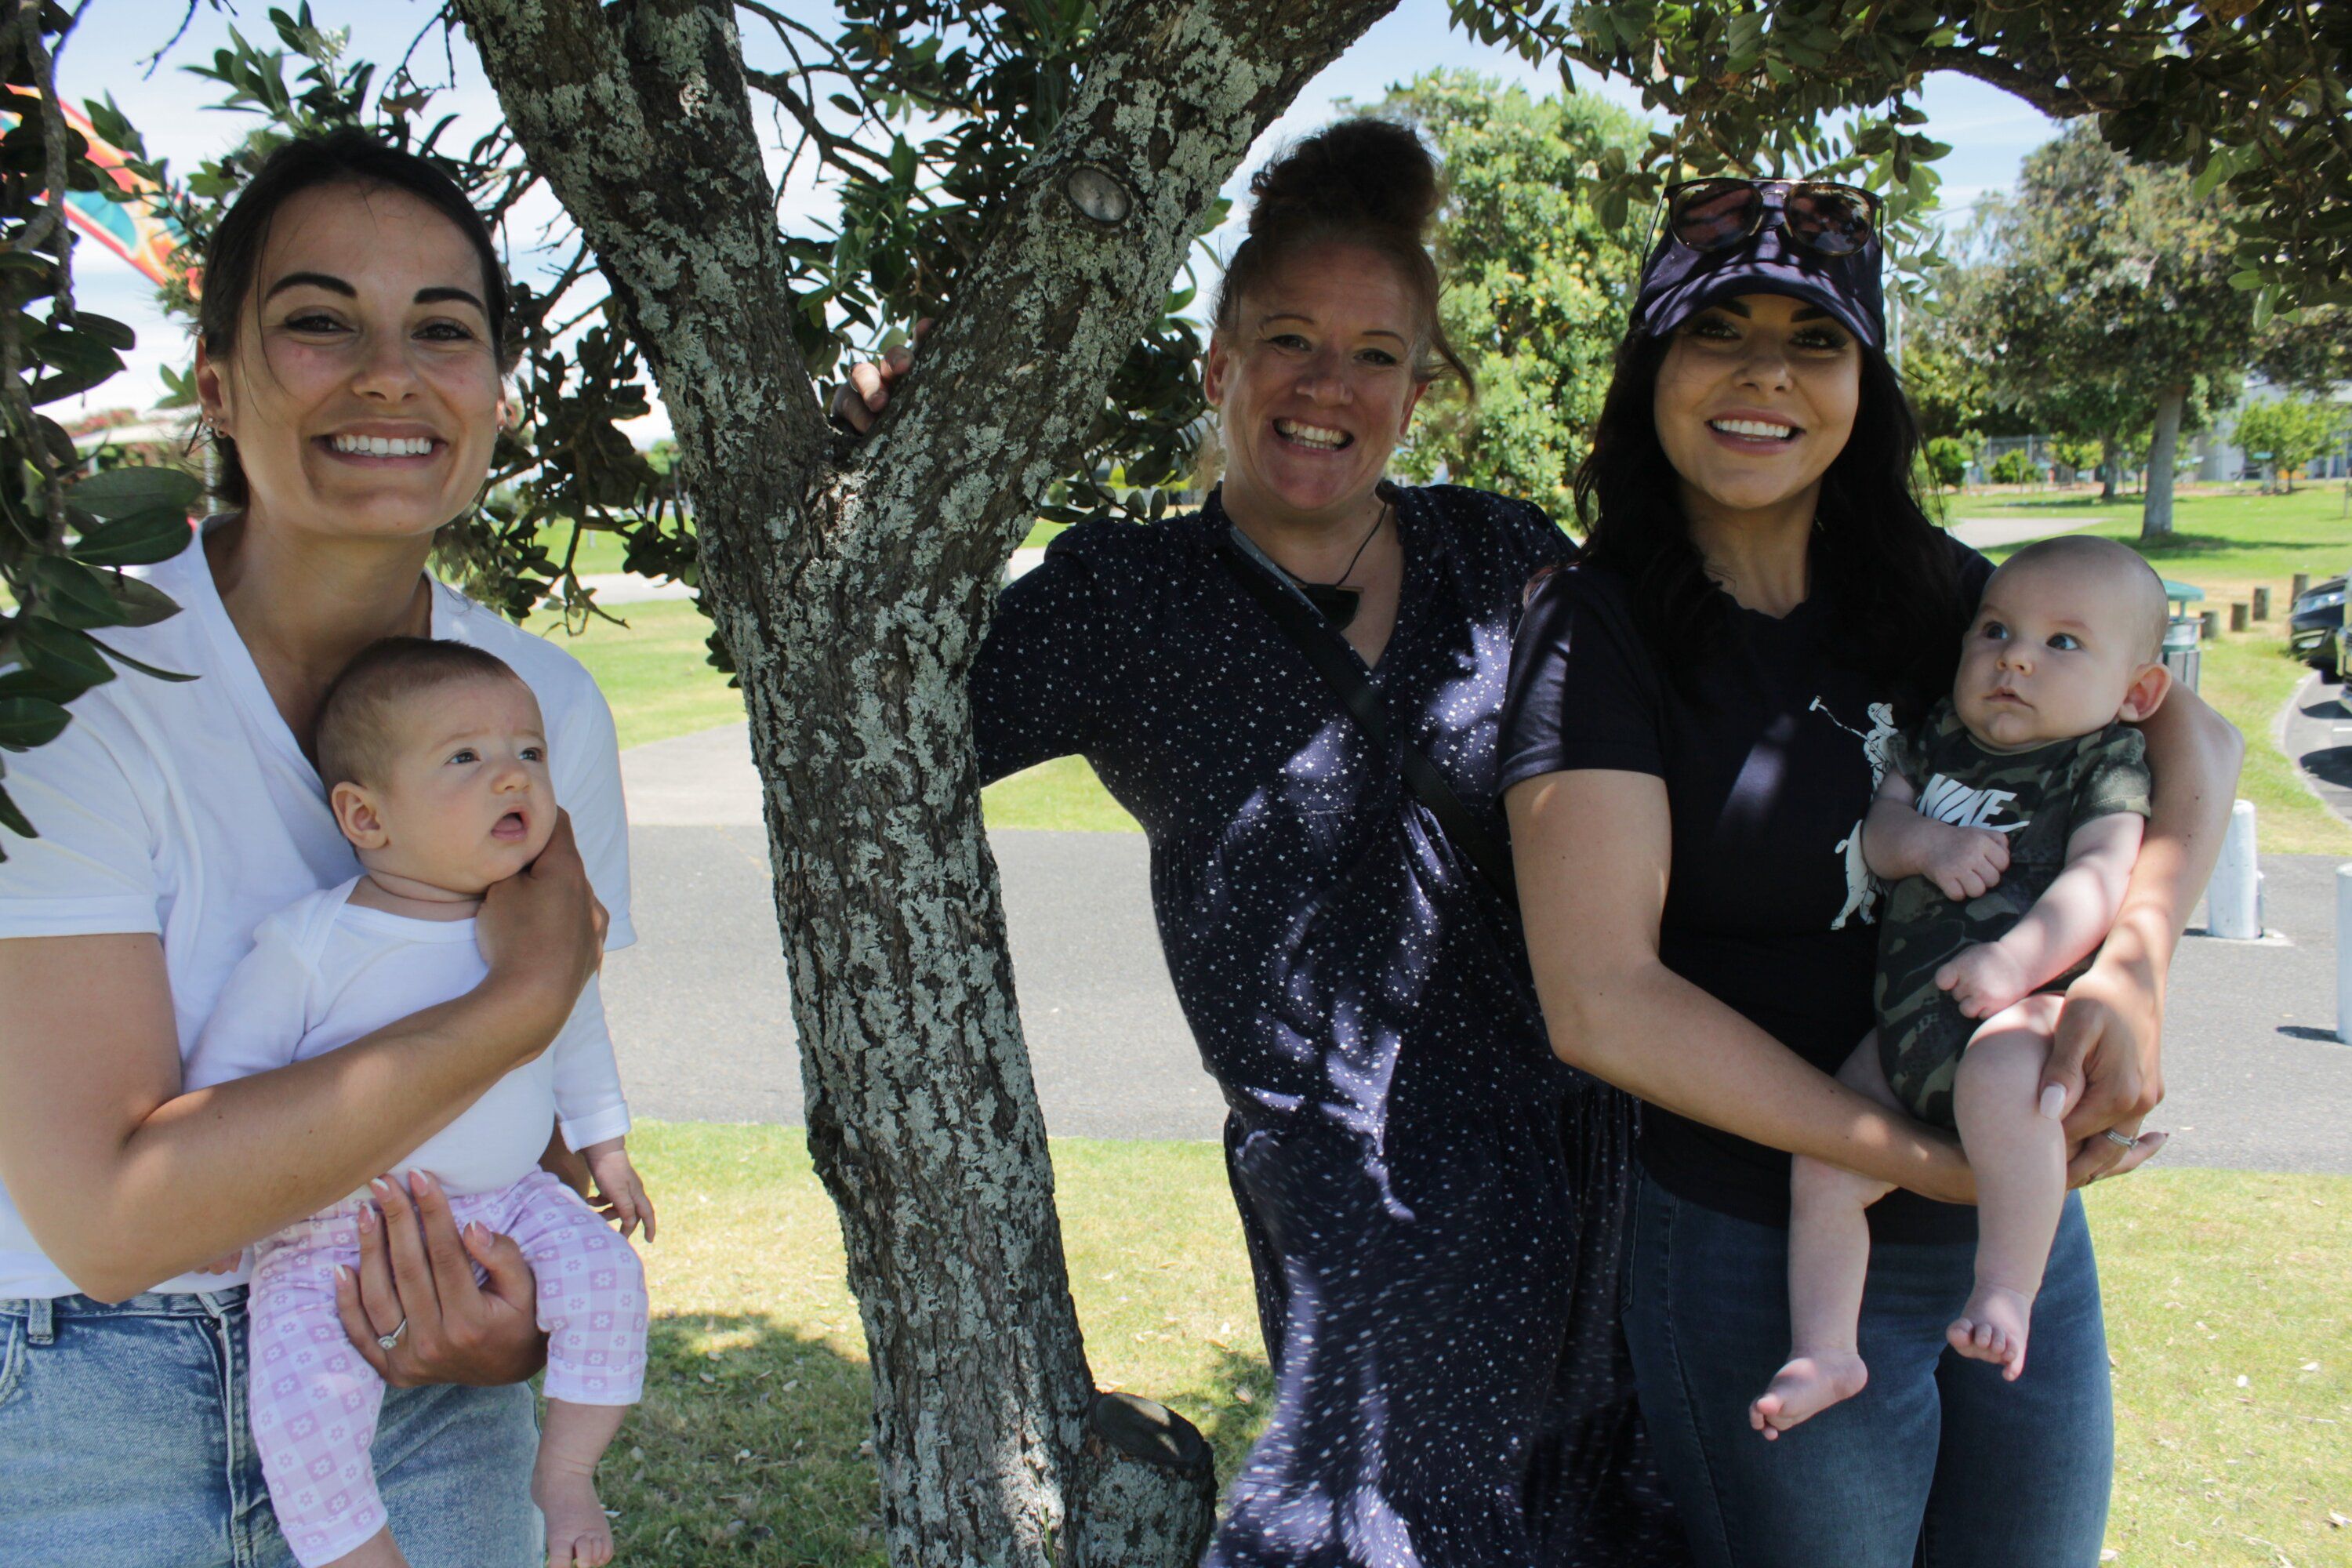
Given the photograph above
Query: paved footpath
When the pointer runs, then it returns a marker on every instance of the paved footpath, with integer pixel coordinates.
(699, 1006)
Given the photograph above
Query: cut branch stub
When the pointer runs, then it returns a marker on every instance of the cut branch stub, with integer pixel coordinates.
(1097, 193)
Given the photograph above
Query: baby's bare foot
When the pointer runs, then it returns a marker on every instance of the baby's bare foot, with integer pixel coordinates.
(1808, 1385)
(1992, 1326)
(577, 1533)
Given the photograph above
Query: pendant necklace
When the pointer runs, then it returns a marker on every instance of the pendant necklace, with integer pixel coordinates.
(1339, 605)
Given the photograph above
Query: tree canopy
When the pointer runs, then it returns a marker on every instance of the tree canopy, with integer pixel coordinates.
(1536, 284)
(2100, 301)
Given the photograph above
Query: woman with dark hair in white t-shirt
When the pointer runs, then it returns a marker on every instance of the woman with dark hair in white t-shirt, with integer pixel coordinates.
(350, 365)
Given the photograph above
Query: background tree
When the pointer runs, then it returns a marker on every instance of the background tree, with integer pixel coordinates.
(1538, 285)
(2105, 296)
(2285, 433)
(1035, 176)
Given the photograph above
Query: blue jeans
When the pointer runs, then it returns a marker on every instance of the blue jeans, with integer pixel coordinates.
(124, 1444)
(1937, 1462)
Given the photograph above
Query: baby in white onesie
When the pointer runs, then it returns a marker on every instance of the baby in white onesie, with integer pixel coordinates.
(435, 755)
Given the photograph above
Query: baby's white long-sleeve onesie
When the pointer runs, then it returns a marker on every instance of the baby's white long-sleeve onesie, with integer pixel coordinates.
(325, 972)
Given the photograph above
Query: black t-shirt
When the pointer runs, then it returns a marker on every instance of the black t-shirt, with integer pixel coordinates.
(1770, 761)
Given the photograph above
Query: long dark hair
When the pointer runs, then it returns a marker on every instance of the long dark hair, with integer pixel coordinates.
(1889, 570)
(345, 157)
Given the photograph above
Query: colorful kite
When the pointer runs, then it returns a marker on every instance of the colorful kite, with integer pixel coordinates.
(129, 224)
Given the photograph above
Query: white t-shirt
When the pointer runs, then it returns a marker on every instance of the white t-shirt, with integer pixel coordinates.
(188, 809)
(325, 972)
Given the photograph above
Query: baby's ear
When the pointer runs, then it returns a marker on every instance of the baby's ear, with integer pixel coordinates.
(2146, 693)
(356, 814)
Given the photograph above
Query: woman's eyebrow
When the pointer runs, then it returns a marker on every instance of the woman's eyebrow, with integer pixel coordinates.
(333, 284)
(1273, 316)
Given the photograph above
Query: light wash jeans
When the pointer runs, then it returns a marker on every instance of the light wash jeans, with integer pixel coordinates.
(1938, 1462)
(124, 1444)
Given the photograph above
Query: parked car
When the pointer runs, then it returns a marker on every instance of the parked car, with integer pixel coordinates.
(2316, 628)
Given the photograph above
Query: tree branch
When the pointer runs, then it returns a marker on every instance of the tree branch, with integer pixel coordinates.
(2044, 93)
(639, 120)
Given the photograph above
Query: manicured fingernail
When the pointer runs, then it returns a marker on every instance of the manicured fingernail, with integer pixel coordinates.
(342, 1275)
(381, 1187)
(367, 1217)
(2054, 1100)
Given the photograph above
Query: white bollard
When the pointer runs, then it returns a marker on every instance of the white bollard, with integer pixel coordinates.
(2234, 899)
(2344, 954)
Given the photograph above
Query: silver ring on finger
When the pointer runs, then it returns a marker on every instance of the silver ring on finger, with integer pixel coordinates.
(2120, 1140)
(385, 1343)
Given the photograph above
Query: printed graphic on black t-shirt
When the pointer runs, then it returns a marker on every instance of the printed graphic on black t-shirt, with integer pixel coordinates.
(1861, 887)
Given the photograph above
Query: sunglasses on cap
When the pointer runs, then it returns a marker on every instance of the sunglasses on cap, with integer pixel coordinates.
(1825, 218)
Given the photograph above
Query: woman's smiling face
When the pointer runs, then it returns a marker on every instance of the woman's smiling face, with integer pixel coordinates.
(1316, 383)
(1755, 400)
(362, 391)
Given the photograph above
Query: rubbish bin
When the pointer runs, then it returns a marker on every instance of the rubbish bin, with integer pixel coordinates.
(2181, 655)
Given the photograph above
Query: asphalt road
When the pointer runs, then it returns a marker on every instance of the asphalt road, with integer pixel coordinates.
(2315, 730)
(2256, 1077)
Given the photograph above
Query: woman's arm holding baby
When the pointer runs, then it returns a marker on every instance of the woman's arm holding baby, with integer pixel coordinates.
(125, 1181)
(2107, 1054)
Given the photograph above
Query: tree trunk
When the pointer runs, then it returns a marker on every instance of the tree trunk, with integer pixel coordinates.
(2156, 513)
(2111, 465)
(853, 587)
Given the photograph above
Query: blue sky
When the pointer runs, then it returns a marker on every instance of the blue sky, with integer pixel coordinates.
(1989, 131)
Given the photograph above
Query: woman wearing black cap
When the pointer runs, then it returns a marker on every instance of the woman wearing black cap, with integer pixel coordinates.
(1698, 717)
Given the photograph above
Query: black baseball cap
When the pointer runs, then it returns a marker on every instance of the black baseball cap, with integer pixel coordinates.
(1678, 282)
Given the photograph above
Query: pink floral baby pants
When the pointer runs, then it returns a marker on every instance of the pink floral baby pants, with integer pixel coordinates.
(315, 1401)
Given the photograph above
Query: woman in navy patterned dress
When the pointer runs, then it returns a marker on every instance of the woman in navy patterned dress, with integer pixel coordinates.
(1432, 1200)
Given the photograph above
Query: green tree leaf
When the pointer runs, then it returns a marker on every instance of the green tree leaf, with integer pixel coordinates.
(127, 492)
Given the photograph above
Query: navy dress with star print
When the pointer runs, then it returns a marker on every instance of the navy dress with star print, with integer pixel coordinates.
(1432, 1200)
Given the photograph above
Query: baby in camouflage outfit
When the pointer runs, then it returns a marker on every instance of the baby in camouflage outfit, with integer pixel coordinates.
(2007, 824)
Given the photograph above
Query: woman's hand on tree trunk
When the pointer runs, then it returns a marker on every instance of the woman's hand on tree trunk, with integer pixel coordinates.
(858, 402)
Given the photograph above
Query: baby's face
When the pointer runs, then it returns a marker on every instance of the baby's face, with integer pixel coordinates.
(2053, 654)
(466, 800)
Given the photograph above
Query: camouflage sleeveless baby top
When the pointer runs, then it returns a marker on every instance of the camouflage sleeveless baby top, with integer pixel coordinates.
(2038, 798)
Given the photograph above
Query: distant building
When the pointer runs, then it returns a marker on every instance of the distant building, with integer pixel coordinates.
(2218, 458)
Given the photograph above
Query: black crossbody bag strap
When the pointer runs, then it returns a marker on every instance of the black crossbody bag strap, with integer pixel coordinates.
(1344, 673)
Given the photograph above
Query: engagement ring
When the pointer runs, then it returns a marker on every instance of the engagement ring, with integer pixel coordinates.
(2122, 1140)
(386, 1341)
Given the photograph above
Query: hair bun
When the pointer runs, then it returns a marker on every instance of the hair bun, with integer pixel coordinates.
(1365, 173)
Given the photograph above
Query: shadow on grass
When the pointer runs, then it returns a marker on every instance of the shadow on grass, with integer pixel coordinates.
(750, 1447)
(754, 1445)
(2209, 544)
(2057, 503)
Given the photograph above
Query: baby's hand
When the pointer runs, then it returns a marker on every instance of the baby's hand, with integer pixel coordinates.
(1967, 862)
(619, 1194)
(1983, 979)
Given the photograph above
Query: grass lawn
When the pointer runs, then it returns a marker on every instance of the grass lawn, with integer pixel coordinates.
(2226, 541)
(601, 553)
(2231, 1343)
